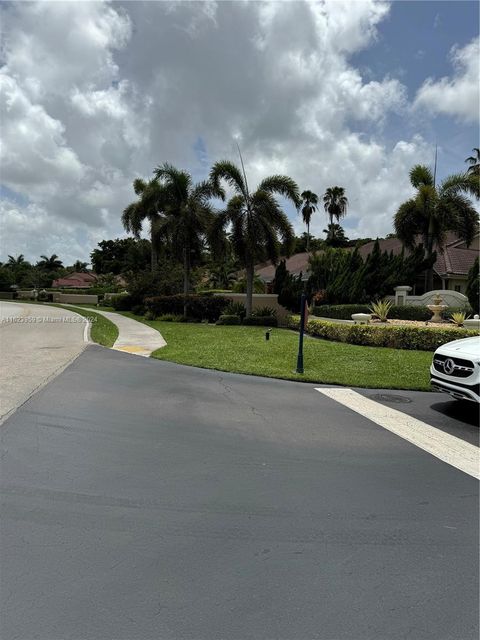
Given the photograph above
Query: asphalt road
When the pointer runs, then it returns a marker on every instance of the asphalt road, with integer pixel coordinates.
(146, 500)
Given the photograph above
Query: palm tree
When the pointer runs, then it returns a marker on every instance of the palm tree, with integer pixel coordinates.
(335, 236)
(149, 207)
(474, 162)
(434, 210)
(16, 262)
(309, 206)
(189, 215)
(51, 263)
(80, 267)
(256, 218)
(335, 203)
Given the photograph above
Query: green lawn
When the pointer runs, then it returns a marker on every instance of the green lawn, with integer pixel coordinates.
(245, 350)
(102, 331)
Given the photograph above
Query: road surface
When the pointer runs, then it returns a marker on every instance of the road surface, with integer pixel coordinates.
(147, 500)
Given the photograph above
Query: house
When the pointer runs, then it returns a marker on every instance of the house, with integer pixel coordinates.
(450, 269)
(76, 281)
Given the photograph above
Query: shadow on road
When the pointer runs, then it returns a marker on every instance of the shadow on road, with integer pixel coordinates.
(463, 411)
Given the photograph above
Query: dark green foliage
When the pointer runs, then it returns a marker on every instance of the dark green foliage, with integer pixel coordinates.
(264, 312)
(6, 279)
(473, 287)
(288, 287)
(122, 302)
(199, 307)
(235, 309)
(121, 255)
(228, 319)
(395, 337)
(408, 312)
(339, 312)
(261, 321)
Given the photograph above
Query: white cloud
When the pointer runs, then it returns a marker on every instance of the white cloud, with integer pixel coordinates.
(458, 95)
(97, 94)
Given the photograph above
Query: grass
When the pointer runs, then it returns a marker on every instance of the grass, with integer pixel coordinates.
(245, 350)
(102, 331)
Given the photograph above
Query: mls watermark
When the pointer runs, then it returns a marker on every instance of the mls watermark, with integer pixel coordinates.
(48, 320)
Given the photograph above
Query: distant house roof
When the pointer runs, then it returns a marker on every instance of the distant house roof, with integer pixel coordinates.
(455, 260)
(76, 280)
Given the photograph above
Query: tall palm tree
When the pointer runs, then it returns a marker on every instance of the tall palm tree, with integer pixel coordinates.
(50, 263)
(80, 267)
(256, 218)
(149, 207)
(309, 206)
(189, 214)
(16, 262)
(335, 203)
(335, 236)
(434, 210)
(474, 162)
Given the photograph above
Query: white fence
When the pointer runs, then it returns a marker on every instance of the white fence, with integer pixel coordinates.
(451, 298)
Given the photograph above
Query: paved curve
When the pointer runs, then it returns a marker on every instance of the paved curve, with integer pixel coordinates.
(147, 500)
(36, 343)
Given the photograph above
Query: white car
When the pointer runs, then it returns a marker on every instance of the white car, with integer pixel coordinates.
(456, 369)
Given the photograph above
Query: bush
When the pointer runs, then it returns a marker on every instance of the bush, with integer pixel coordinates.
(261, 321)
(473, 287)
(138, 309)
(381, 309)
(264, 312)
(123, 302)
(168, 317)
(340, 311)
(235, 309)
(394, 337)
(199, 307)
(229, 319)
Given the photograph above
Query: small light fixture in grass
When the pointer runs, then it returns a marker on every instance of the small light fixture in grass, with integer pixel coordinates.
(458, 318)
(381, 308)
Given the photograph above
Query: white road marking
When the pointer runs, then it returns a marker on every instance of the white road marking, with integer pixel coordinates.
(450, 449)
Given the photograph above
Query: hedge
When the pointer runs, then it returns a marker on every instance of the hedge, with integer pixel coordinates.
(122, 302)
(407, 312)
(395, 337)
(228, 319)
(261, 321)
(199, 307)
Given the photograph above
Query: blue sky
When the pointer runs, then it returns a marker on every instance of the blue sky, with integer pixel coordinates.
(354, 93)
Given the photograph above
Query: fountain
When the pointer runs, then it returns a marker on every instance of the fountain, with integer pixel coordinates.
(437, 308)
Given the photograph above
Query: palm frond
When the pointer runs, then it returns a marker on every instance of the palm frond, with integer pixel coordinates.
(226, 170)
(420, 174)
(406, 223)
(283, 185)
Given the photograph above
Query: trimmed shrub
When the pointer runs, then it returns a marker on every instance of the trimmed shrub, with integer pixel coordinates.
(339, 311)
(261, 321)
(169, 317)
(228, 319)
(199, 307)
(394, 337)
(122, 302)
(406, 312)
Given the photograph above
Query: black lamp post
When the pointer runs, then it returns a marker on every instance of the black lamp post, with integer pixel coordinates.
(302, 330)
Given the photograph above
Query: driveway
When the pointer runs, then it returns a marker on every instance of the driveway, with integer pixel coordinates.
(147, 500)
(36, 343)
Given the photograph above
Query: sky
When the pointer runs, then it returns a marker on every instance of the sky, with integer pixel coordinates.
(95, 94)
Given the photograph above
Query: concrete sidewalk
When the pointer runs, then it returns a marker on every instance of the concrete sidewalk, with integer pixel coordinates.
(133, 336)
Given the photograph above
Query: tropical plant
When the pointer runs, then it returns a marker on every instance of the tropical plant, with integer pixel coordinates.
(222, 275)
(335, 203)
(149, 207)
(381, 308)
(458, 318)
(434, 210)
(335, 236)
(264, 312)
(258, 285)
(16, 262)
(80, 267)
(474, 162)
(309, 206)
(258, 223)
(50, 263)
(235, 309)
(189, 215)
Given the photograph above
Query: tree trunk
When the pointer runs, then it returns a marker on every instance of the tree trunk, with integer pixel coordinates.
(154, 254)
(249, 278)
(186, 278)
(308, 237)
